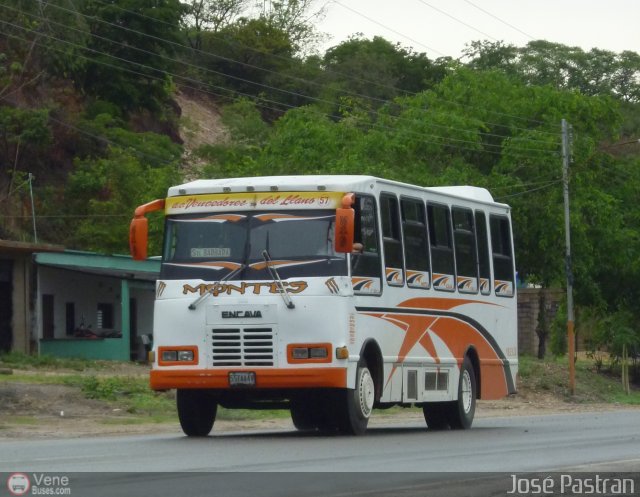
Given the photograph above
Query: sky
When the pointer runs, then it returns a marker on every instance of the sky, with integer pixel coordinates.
(443, 27)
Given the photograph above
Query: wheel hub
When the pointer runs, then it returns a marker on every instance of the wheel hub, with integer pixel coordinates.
(366, 393)
(466, 391)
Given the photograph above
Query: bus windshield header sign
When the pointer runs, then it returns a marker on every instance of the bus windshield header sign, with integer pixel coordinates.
(224, 202)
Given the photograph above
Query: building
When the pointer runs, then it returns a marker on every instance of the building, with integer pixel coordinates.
(17, 297)
(75, 304)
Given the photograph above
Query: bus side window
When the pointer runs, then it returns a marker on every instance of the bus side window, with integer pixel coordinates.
(441, 245)
(483, 253)
(366, 266)
(416, 249)
(465, 250)
(390, 215)
(502, 256)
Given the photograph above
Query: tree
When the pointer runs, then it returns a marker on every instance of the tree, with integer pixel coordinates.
(23, 134)
(294, 18)
(378, 70)
(129, 64)
(105, 189)
(540, 62)
(42, 39)
(209, 15)
(247, 56)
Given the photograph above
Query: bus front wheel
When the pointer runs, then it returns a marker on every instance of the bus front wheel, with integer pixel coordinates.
(357, 404)
(304, 413)
(196, 411)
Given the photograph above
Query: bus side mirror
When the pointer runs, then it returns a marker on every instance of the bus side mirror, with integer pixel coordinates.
(139, 229)
(345, 222)
(139, 238)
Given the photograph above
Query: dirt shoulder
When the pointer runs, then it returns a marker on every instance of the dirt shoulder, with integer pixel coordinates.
(32, 410)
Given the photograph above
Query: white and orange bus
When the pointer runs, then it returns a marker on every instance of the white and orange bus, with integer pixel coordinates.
(331, 296)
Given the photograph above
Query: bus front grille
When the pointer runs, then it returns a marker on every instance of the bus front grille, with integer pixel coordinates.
(242, 346)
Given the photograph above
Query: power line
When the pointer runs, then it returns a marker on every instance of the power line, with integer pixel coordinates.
(388, 28)
(446, 140)
(228, 59)
(308, 97)
(456, 19)
(290, 76)
(530, 183)
(551, 183)
(499, 19)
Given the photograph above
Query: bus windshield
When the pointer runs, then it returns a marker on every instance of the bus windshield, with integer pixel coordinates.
(212, 246)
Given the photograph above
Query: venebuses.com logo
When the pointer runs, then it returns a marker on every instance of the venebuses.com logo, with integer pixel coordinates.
(38, 484)
(18, 484)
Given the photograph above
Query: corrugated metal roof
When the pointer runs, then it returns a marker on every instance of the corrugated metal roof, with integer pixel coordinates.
(119, 266)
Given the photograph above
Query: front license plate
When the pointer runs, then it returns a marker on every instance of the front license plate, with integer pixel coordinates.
(242, 379)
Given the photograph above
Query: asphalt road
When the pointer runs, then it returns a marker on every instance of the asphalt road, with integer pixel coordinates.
(402, 460)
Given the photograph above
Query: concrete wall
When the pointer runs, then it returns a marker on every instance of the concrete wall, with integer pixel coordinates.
(145, 299)
(528, 311)
(85, 291)
(17, 305)
(22, 304)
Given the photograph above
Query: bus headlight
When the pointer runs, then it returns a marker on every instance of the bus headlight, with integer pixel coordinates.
(309, 352)
(169, 355)
(300, 353)
(178, 356)
(318, 353)
(185, 355)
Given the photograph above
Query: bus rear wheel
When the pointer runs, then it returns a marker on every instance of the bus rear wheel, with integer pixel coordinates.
(197, 411)
(462, 411)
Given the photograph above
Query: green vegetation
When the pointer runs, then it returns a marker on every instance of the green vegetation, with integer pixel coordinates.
(551, 376)
(18, 360)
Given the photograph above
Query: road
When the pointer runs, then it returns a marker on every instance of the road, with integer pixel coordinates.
(398, 458)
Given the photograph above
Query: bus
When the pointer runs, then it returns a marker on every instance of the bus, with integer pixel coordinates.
(331, 296)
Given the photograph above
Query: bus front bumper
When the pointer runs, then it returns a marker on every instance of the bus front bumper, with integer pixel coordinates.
(166, 379)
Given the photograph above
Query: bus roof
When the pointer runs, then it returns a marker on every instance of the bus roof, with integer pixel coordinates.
(357, 183)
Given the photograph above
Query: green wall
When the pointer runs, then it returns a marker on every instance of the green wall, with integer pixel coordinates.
(110, 349)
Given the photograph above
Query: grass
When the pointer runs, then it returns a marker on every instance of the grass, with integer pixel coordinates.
(22, 420)
(138, 420)
(551, 376)
(17, 360)
(104, 382)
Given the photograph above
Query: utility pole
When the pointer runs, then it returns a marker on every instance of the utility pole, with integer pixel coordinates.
(566, 153)
(33, 209)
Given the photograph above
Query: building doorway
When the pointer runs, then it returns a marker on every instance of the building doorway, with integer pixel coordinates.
(48, 331)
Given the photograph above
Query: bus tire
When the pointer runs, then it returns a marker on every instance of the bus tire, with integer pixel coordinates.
(436, 414)
(357, 403)
(463, 410)
(304, 413)
(196, 411)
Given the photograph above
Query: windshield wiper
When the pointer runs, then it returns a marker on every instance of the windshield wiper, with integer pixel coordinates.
(276, 277)
(196, 303)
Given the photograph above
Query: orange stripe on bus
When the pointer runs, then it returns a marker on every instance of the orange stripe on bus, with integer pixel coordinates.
(458, 336)
(439, 303)
(265, 378)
